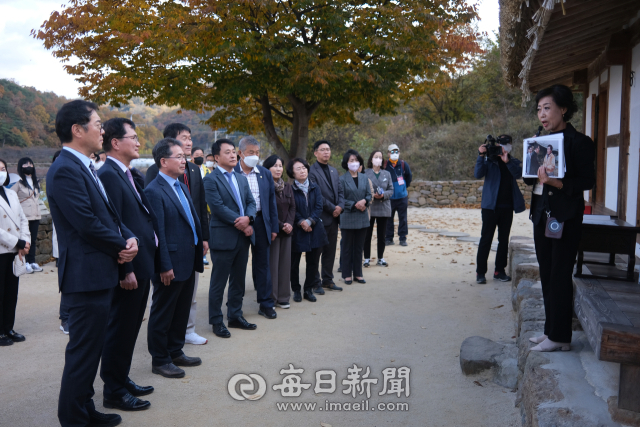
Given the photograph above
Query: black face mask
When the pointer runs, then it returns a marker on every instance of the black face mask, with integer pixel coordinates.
(28, 170)
(198, 160)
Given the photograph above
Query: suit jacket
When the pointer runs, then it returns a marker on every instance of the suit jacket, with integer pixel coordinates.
(580, 175)
(196, 189)
(286, 208)
(89, 230)
(14, 225)
(225, 210)
(352, 218)
(175, 237)
(136, 213)
(332, 195)
(268, 205)
(308, 207)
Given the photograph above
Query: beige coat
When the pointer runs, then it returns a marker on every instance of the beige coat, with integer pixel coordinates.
(550, 164)
(28, 200)
(14, 225)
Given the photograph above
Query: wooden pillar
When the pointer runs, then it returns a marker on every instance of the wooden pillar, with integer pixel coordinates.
(625, 138)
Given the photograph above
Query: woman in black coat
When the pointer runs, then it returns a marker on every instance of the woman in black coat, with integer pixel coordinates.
(562, 199)
(309, 235)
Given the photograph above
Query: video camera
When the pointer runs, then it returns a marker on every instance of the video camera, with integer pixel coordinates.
(495, 150)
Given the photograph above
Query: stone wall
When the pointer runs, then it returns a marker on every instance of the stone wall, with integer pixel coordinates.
(440, 193)
(44, 247)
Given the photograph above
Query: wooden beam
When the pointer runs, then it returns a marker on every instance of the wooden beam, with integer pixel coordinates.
(620, 343)
(580, 78)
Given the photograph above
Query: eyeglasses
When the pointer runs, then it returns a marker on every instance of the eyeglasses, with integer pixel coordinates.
(180, 158)
(134, 137)
(324, 150)
(394, 151)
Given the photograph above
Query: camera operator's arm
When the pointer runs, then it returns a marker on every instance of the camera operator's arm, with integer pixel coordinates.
(481, 163)
(515, 167)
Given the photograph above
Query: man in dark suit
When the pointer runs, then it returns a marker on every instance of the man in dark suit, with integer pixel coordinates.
(233, 211)
(266, 223)
(193, 180)
(92, 241)
(129, 302)
(180, 258)
(327, 178)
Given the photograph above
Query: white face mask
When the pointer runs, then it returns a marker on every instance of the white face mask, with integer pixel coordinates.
(353, 167)
(376, 162)
(3, 177)
(394, 156)
(251, 161)
(209, 165)
(507, 148)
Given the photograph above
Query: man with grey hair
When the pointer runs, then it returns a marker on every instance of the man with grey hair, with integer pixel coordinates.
(265, 223)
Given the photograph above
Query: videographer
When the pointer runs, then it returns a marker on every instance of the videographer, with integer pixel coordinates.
(500, 197)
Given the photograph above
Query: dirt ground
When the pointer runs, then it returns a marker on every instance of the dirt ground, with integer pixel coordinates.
(414, 313)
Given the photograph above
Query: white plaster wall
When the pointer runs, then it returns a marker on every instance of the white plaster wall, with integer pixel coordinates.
(615, 99)
(611, 179)
(604, 76)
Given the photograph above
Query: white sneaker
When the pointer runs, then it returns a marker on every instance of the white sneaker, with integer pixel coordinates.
(195, 339)
(382, 262)
(283, 304)
(36, 267)
(28, 267)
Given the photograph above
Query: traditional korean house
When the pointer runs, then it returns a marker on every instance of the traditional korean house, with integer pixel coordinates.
(592, 46)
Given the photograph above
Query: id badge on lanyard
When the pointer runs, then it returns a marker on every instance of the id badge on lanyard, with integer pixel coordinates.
(400, 180)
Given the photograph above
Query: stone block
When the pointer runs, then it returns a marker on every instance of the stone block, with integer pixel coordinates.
(471, 199)
(422, 201)
(477, 354)
(527, 270)
(42, 234)
(479, 190)
(44, 247)
(444, 202)
(413, 200)
(432, 200)
(42, 259)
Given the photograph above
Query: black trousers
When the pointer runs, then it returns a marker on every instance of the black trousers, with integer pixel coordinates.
(352, 247)
(312, 260)
(33, 229)
(556, 258)
(501, 218)
(8, 293)
(260, 265)
(232, 266)
(400, 206)
(88, 318)
(382, 227)
(125, 318)
(168, 319)
(328, 253)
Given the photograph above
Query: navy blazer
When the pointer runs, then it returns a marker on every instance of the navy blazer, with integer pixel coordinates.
(225, 210)
(90, 233)
(175, 237)
(196, 189)
(268, 204)
(308, 208)
(137, 215)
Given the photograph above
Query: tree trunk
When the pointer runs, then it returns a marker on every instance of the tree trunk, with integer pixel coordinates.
(270, 130)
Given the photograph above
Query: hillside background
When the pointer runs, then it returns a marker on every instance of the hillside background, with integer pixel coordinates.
(438, 131)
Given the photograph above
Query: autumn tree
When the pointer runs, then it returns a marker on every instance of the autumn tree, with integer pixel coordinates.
(261, 63)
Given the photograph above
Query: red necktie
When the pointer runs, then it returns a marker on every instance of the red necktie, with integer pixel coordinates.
(186, 181)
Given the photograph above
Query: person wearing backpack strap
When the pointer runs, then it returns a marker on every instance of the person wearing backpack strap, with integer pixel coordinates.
(401, 178)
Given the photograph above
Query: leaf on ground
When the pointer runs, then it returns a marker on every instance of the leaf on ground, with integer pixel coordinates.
(313, 314)
(423, 327)
(472, 263)
(453, 261)
(478, 383)
(501, 305)
(325, 425)
(374, 333)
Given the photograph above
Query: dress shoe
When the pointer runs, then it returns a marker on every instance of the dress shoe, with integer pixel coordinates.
(309, 296)
(267, 312)
(15, 337)
(339, 269)
(5, 340)
(297, 296)
(360, 280)
(137, 390)
(241, 323)
(98, 419)
(403, 243)
(348, 281)
(128, 402)
(318, 290)
(168, 371)
(185, 360)
(195, 339)
(331, 286)
(220, 330)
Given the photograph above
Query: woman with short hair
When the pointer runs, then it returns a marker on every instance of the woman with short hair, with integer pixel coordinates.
(280, 256)
(562, 200)
(28, 192)
(14, 238)
(309, 235)
(380, 208)
(354, 220)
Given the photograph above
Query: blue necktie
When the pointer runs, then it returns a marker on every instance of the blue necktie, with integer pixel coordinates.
(235, 192)
(187, 210)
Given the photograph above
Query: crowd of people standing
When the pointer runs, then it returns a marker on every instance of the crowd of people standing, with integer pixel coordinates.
(121, 236)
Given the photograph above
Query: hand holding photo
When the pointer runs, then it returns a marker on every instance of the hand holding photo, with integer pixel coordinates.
(547, 151)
